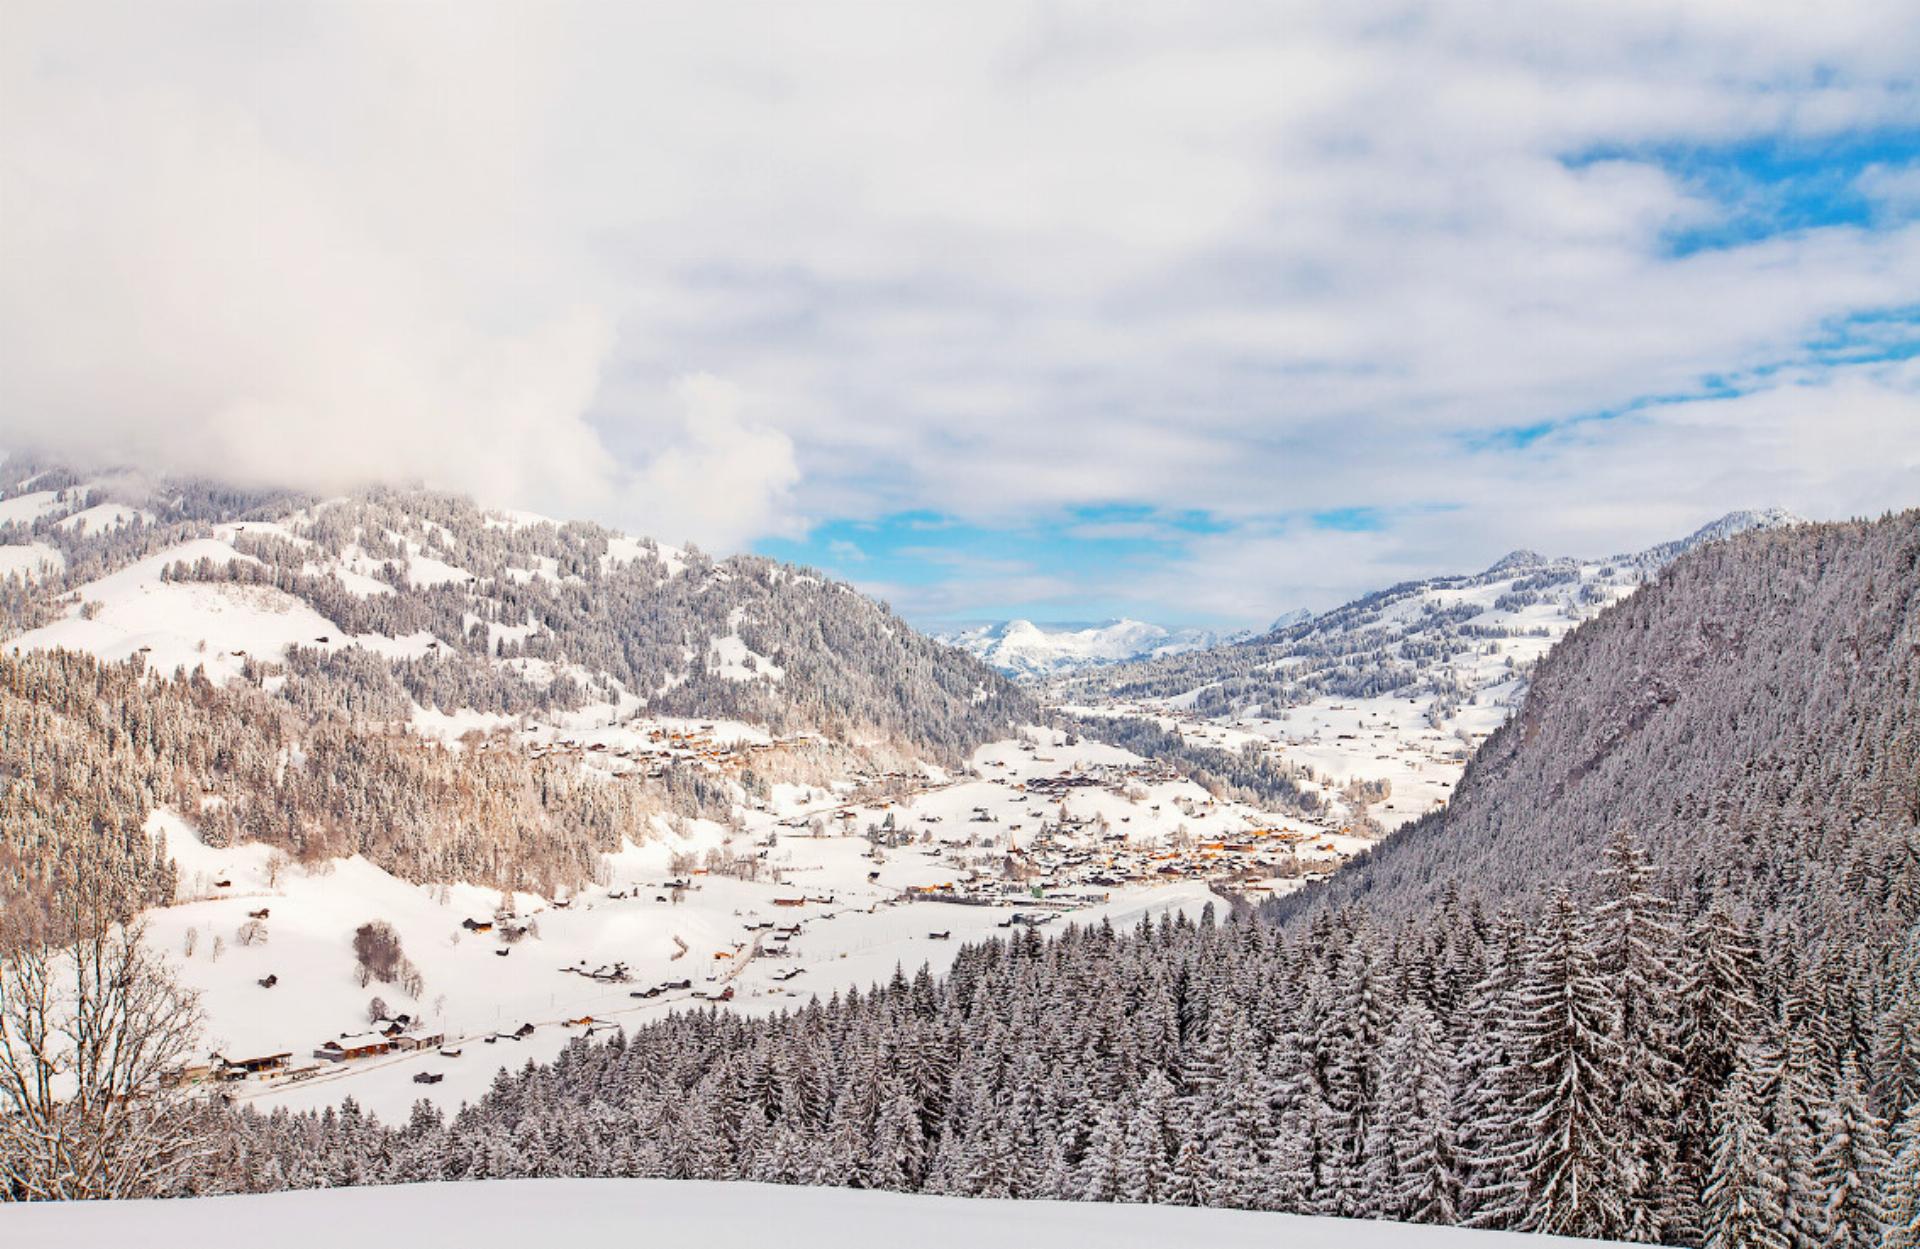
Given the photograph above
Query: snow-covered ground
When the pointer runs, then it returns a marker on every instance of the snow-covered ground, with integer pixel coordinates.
(697, 1215)
(1382, 739)
(858, 912)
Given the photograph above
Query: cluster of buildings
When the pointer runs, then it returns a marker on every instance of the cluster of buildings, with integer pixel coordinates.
(382, 1036)
(660, 749)
(1073, 859)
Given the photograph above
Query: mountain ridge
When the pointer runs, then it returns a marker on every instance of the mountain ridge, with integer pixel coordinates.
(1024, 649)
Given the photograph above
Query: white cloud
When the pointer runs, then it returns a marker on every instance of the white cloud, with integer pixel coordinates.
(988, 259)
(722, 481)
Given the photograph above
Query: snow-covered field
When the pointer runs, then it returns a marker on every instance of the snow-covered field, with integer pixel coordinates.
(848, 902)
(1385, 738)
(700, 1216)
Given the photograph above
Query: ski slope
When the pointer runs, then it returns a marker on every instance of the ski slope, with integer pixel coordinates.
(695, 1215)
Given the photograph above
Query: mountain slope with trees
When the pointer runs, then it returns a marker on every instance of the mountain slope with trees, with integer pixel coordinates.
(1750, 713)
(418, 599)
(1447, 636)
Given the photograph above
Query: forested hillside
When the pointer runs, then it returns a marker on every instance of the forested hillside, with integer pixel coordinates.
(417, 599)
(1446, 636)
(88, 750)
(1753, 714)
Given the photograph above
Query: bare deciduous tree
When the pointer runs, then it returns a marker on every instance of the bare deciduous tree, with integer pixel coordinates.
(92, 1034)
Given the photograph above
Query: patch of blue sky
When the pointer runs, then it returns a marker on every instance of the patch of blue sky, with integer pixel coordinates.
(1071, 567)
(1777, 184)
(1350, 519)
(1860, 338)
(919, 550)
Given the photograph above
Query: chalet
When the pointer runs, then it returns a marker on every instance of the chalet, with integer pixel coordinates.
(262, 913)
(364, 1045)
(428, 1077)
(477, 925)
(191, 1073)
(418, 1039)
(241, 1068)
(789, 901)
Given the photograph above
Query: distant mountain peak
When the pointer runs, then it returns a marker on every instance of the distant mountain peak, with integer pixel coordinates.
(1731, 525)
(1514, 561)
(1287, 620)
(1022, 648)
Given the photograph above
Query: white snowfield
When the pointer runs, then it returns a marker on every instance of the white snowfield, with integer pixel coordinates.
(709, 1216)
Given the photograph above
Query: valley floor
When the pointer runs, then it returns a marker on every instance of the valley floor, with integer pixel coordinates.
(711, 1216)
(837, 918)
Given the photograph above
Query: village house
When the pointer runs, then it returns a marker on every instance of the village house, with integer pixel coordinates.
(240, 1068)
(363, 1045)
(421, 1036)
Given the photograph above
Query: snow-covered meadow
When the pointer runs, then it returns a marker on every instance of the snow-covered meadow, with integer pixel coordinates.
(719, 932)
(709, 1216)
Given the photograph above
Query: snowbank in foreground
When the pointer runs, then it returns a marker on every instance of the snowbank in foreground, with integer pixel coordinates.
(711, 1216)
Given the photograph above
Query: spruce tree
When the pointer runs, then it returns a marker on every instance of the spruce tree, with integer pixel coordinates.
(1565, 1047)
(1741, 1204)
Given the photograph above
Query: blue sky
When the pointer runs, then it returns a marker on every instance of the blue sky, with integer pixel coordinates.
(1190, 313)
(1037, 570)
(946, 571)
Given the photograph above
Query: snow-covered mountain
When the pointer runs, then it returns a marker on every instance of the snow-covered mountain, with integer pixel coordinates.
(1023, 649)
(1286, 620)
(430, 607)
(1449, 637)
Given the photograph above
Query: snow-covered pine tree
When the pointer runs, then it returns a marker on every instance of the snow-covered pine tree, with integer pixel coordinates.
(1636, 956)
(1413, 1164)
(1741, 1204)
(1151, 1143)
(1902, 1188)
(1576, 1185)
(1849, 1169)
